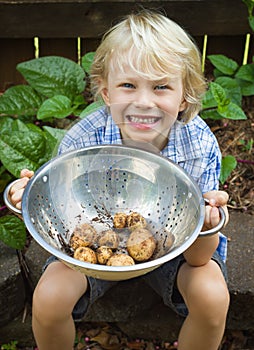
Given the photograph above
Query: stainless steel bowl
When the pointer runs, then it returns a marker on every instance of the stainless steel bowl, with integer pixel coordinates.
(92, 184)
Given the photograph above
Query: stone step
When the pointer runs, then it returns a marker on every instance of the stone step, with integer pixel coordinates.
(133, 306)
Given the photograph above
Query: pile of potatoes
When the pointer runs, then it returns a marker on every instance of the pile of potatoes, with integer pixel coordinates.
(104, 248)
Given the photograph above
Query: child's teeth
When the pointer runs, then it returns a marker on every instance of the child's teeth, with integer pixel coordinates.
(142, 120)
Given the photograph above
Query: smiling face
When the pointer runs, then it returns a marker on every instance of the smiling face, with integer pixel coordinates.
(143, 109)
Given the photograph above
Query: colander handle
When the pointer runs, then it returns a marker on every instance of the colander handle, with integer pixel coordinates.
(217, 228)
(7, 201)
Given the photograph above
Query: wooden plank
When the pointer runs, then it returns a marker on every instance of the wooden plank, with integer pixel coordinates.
(230, 46)
(89, 19)
(88, 45)
(58, 47)
(13, 51)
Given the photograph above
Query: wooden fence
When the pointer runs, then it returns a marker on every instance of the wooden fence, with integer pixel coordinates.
(71, 28)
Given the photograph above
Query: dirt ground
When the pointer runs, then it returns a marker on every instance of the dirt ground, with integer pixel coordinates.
(104, 336)
(236, 138)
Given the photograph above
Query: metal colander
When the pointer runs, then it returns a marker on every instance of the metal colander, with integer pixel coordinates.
(92, 184)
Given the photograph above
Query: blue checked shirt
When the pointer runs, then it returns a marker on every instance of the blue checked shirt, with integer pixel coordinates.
(193, 146)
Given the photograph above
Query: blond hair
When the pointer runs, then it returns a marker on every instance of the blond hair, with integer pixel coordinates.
(155, 47)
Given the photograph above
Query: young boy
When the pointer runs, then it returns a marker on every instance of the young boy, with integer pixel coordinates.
(148, 72)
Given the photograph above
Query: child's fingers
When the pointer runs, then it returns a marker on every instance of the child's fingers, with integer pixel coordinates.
(18, 185)
(17, 190)
(212, 217)
(26, 173)
(16, 197)
(217, 198)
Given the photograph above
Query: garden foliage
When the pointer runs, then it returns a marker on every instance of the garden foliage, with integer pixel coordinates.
(29, 133)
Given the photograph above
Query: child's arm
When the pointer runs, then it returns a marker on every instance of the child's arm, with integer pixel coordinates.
(16, 191)
(201, 251)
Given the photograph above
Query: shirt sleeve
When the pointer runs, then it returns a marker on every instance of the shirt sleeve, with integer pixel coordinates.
(209, 178)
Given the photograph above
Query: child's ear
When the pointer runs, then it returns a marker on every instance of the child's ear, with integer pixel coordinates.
(183, 105)
(105, 96)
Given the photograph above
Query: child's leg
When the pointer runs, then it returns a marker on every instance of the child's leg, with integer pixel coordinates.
(54, 298)
(206, 296)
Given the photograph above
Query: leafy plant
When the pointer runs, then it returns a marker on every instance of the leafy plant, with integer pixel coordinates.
(225, 94)
(250, 7)
(10, 346)
(224, 97)
(28, 114)
(54, 91)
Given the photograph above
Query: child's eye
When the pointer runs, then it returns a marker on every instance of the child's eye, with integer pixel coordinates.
(128, 85)
(161, 87)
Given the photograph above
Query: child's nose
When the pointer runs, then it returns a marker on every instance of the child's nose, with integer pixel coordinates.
(143, 99)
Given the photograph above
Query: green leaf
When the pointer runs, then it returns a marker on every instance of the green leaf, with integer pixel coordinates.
(250, 5)
(251, 22)
(20, 100)
(224, 64)
(5, 178)
(247, 88)
(12, 231)
(87, 61)
(208, 100)
(54, 137)
(18, 125)
(210, 114)
(58, 134)
(92, 108)
(19, 150)
(54, 75)
(232, 111)
(5, 123)
(246, 72)
(34, 128)
(219, 94)
(58, 106)
(233, 90)
(228, 164)
(217, 73)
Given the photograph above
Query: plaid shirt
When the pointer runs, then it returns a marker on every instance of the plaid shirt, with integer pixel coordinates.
(193, 146)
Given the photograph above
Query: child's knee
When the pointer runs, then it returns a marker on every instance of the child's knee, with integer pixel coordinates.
(212, 301)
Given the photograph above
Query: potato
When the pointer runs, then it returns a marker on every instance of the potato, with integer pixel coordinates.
(135, 220)
(85, 254)
(141, 244)
(103, 254)
(109, 239)
(119, 220)
(164, 243)
(120, 260)
(83, 235)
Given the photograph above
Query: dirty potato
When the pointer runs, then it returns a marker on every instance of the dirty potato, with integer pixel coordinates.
(141, 244)
(164, 243)
(120, 260)
(103, 254)
(119, 220)
(83, 235)
(85, 254)
(109, 238)
(135, 220)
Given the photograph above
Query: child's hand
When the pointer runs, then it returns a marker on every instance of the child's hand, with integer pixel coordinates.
(17, 189)
(212, 215)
